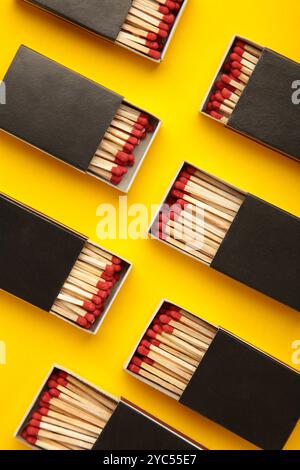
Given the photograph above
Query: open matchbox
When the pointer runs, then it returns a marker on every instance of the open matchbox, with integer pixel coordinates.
(250, 240)
(75, 119)
(106, 19)
(55, 268)
(234, 384)
(263, 109)
(127, 427)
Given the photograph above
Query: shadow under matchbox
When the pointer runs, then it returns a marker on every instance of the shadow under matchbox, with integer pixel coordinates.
(70, 413)
(142, 26)
(218, 375)
(75, 119)
(252, 94)
(55, 268)
(233, 232)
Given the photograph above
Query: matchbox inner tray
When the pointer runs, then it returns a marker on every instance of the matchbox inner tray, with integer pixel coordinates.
(253, 94)
(55, 268)
(233, 232)
(217, 374)
(94, 421)
(75, 119)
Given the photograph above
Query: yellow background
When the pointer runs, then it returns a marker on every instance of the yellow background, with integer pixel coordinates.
(173, 91)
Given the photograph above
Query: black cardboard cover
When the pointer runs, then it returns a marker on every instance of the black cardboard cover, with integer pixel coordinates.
(104, 17)
(55, 109)
(262, 249)
(128, 429)
(246, 391)
(265, 110)
(36, 254)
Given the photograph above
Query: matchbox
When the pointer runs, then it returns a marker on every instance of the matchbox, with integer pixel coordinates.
(55, 268)
(70, 413)
(217, 374)
(254, 93)
(233, 232)
(75, 119)
(145, 27)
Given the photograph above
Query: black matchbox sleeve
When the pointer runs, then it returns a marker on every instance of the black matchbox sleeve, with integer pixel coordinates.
(130, 429)
(36, 254)
(265, 111)
(245, 391)
(55, 109)
(262, 250)
(103, 17)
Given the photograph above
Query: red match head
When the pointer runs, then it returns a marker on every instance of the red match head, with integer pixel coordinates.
(236, 73)
(226, 79)
(104, 285)
(170, 4)
(226, 93)
(240, 44)
(162, 33)
(24, 434)
(238, 50)
(62, 381)
(216, 104)
(155, 342)
(90, 317)
(152, 36)
(35, 423)
(46, 397)
(32, 431)
(96, 300)
(133, 368)
(178, 194)
(116, 179)
(146, 343)
(43, 411)
(236, 65)
(219, 97)
(151, 333)
(119, 170)
(81, 321)
(165, 319)
(143, 351)
(164, 26)
(216, 115)
(89, 306)
(179, 185)
(169, 19)
(31, 440)
(154, 54)
(235, 57)
(37, 416)
(168, 329)
(52, 383)
(157, 328)
(175, 315)
(63, 374)
(54, 392)
(137, 361)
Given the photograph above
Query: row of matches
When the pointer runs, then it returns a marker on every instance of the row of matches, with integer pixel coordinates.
(198, 214)
(148, 25)
(235, 76)
(172, 349)
(116, 150)
(88, 287)
(70, 415)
